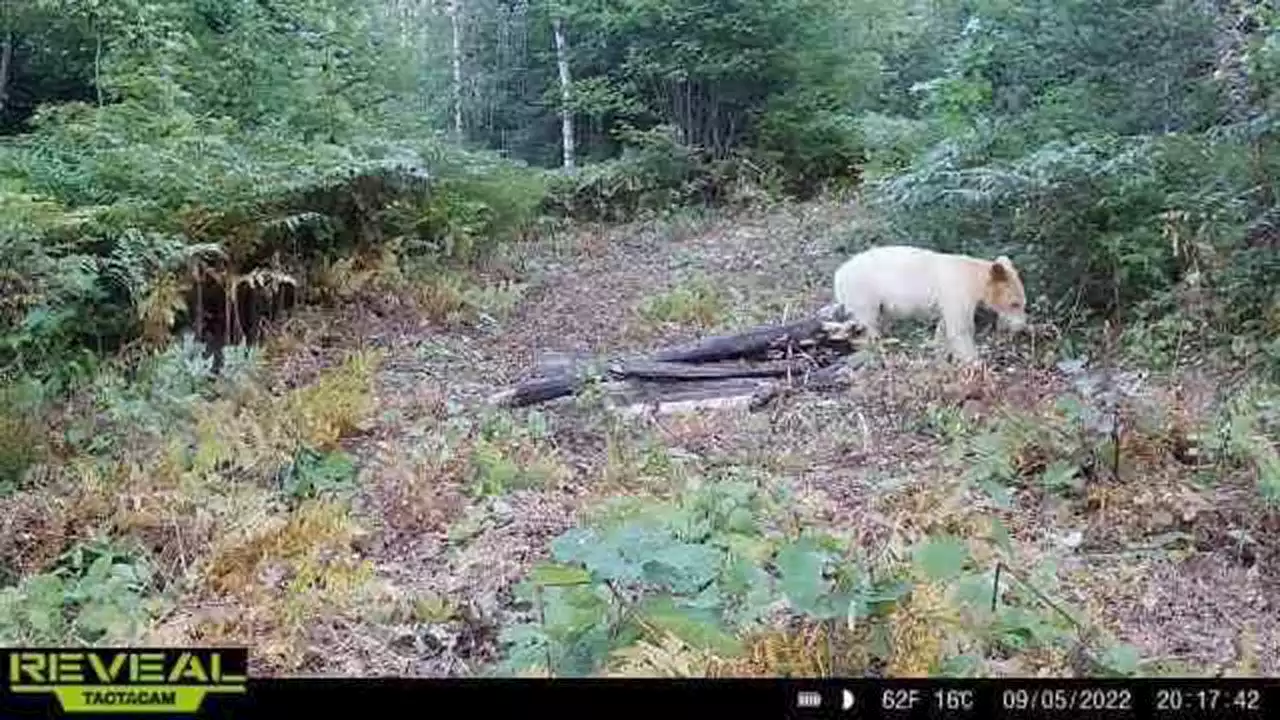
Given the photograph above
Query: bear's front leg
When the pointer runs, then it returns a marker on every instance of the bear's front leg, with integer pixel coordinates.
(958, 329)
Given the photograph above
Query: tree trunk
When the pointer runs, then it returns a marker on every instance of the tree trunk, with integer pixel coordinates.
(566, 112)
(454, 11)
(6, 56)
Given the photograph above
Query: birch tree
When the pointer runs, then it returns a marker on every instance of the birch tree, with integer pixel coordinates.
(566, 110)
(455, 10)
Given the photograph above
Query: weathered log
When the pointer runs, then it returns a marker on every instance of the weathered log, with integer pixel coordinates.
(759, 341)
(541, 389)
(670, 407)
(663, 399)
(826, 378)
(570, 382)
(654, 370)
(752, 395)
(707, 359)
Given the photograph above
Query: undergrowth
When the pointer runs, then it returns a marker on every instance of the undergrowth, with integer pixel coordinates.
(697, 302)
(181, 492)
(696, 586)
(721, 573)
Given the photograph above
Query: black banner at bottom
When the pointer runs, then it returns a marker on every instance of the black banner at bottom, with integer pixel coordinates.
(667, 699)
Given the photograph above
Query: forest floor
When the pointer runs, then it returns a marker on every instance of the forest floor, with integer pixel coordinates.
(1159, 559)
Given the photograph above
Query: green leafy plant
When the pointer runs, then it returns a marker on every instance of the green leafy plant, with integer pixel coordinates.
(691, 567)
(695, 302)
(708, 568)
(97, 594)
(312, 473)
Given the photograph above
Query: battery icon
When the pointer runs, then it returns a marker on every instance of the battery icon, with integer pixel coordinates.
(807, 699)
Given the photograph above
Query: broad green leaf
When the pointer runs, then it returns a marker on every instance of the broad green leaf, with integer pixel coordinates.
(962, 666)
(754, 548)
(585, 651)
(572, 609)
(552, 574)
(683, 567)
(45, 598)
(881, 640)
(525, 647)
(698, 628)
(941, 559)
(742, 520)
(1123, 659)
(605, 555)
(876, 600)
(711, 597)
(747, 591)
(802, 566)
(974, 589)
(99, 570)
(108, 619)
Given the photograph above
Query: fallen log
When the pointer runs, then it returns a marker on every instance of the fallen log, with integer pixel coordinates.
(687, 377)
(722, 394)
(828, 329)
(542, 389)
(750, 401)
(658, 370)
(792, 350)
(639, 399)
(831, 377)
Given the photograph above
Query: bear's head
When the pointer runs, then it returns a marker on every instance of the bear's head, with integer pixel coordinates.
(1004, 294)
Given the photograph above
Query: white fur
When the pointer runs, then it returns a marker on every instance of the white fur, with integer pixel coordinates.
(901, 281)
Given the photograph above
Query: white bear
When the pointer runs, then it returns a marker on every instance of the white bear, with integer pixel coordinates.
(900, 281)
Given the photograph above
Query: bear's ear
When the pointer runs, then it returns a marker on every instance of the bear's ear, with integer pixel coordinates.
(1001, 269)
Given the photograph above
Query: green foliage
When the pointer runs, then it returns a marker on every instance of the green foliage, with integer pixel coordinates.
(210, 158)
(678, 102)
(498, 452)
(160, 391)
(941, 559)
(160, 155)
(1078, 137)
(96, 595)
(946, 423)
(655, 173)
(477, 204)
(1053, 450)
(711, 565)
(695, 302)
(1247, 428)
(812, 144)
(313, 473)
(1086, 141)
(692, 567)
(1121, 659)
(892, 142)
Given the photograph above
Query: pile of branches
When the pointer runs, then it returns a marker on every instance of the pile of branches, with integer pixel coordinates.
(749, 368)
